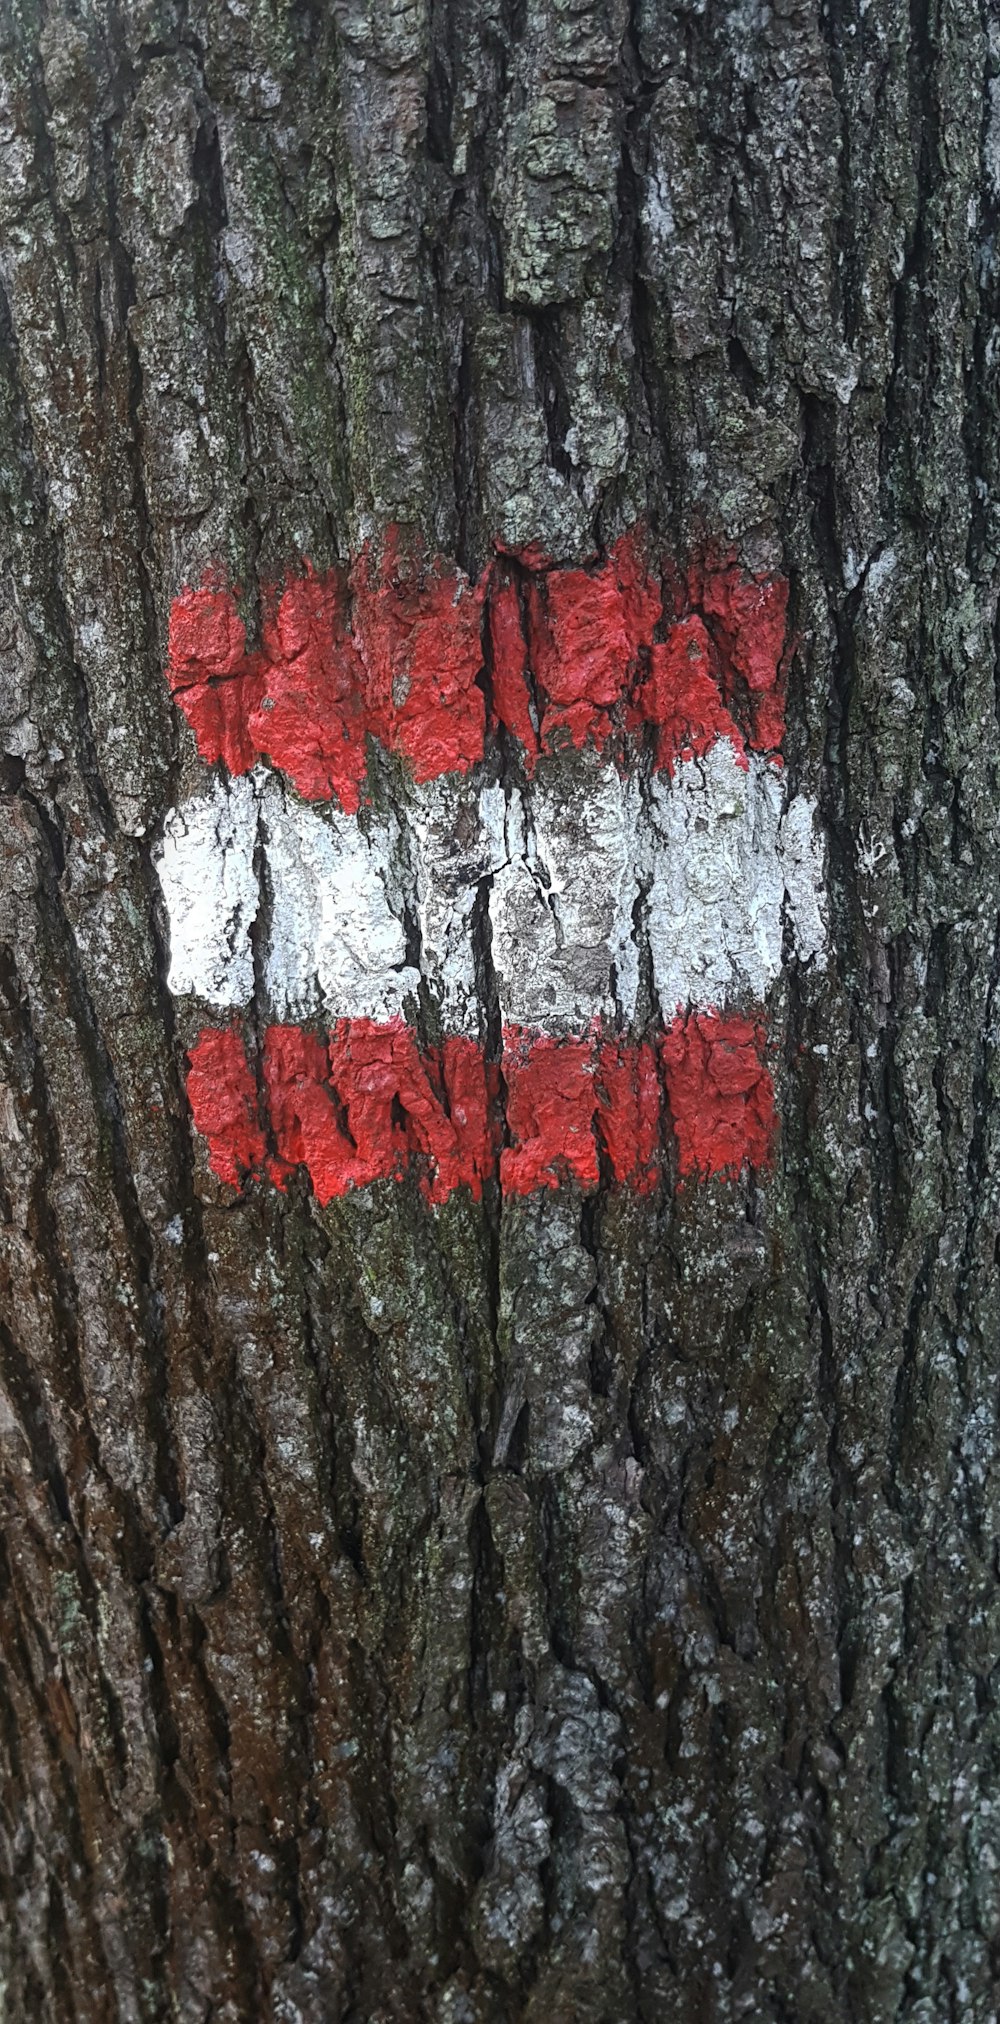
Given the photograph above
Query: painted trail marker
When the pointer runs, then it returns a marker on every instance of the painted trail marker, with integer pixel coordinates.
(615, 901)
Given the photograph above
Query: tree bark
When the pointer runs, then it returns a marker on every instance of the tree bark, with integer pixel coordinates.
(336, 1680)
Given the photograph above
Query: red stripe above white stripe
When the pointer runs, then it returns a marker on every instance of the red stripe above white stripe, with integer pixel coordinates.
(590, 802)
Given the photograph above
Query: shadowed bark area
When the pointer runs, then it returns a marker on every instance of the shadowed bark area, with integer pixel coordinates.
(569, 1608)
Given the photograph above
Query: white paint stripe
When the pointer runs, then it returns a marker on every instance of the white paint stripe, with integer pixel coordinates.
(456, 841)
(207, 877)
(335, 945)
(716, 886)
(564, 950)
(805, 892)
(706, 863)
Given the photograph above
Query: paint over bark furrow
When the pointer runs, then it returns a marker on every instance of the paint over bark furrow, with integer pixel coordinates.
(586, 880)
(395, 651)
(367, 1103)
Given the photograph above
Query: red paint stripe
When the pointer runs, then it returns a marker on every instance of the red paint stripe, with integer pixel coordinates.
(721, 1093)
(395, 652)
(586, 632)
(366, 1103)
(215, 681)
(310, 716)
(747, 617)
(420, 633)
(223, 1099)
(629, 1111)
(681, 697)
(511, 700)
(551, 1107)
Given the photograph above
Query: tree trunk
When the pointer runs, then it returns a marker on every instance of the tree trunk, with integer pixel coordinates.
(567, 1601)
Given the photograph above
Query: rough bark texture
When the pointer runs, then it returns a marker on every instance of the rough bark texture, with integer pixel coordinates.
(574, 1609)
